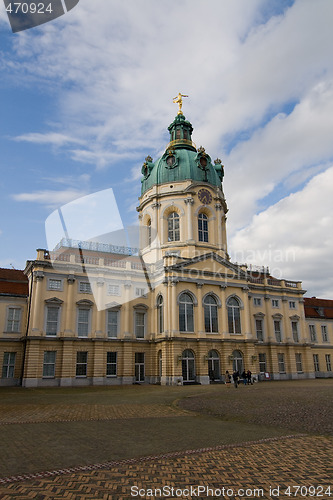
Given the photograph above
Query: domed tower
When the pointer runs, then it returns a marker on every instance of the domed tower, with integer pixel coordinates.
(182, 206)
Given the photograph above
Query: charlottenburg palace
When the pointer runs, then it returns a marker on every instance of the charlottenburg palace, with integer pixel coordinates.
(175, 310)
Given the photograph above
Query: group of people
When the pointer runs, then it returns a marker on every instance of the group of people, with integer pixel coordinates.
(246, 377)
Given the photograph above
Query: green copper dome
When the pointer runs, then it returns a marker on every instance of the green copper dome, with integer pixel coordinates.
(181, 160)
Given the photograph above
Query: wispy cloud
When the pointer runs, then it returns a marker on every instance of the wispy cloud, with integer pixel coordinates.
(52, 138)
(50, 198)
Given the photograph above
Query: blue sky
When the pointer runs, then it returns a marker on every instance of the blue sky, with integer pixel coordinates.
(85, 98)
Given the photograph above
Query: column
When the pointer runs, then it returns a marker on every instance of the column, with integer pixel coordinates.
(38, 307)
(219, 242)
(189, 202)
(247, 323)
(199, 327)
(70, 311)
(126, 311)
(100, 311)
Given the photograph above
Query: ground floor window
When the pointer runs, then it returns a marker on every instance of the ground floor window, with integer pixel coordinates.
(111, 364)
(316, 362)
(8, 366)
(328, 362)
(282, 366)
(81, 363)
(214, 369)
(299, 366)
(262, 362)
(139, 366)
(238, 365)
(49, 364)
(188, 366)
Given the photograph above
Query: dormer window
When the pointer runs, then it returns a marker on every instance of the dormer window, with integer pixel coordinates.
(171, 161)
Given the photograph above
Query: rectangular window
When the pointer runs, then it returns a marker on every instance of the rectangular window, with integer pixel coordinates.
(114, 290)
(262, 362)
(81, 363)
(328, 362)
(55, 284)
(324, 333)
(294, 329)
(8, 366)
(140, 324)
(141, 292)
(316, 362)
(84, 287)
(257, 301)
(277, 330)
(112, 325)
(259, 330)
(139, 367)
(292, 304)
(111, 364)
(49, 364)
(275, 303)
(52, 320)
(282, 367)
(83, 321)
(313, 334)
(298, 357)
(13, 319)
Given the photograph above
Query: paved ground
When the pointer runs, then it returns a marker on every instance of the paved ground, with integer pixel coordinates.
(245, 471)
(63, 432)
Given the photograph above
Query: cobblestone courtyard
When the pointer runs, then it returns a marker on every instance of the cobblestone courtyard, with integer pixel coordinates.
(101, 442)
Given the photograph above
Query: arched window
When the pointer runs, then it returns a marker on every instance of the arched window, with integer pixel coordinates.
(234, 315)
(214, 365)
(160, 314)
(173, 227)
(210, 311)
(203, 227)
(186, 323)
(188, 366)
(149, 232)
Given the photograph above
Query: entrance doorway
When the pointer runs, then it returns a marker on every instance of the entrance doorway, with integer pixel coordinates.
(214, 370)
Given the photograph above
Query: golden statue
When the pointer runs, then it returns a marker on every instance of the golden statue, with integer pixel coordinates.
(179, 100)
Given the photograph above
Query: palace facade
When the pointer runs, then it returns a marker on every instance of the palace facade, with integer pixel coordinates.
(176, 311)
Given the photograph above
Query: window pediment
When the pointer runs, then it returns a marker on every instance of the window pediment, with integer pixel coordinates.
(54, 301)
(85, 303)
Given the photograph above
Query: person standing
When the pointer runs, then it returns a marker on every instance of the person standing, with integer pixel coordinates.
(235, 377)
(249, 377)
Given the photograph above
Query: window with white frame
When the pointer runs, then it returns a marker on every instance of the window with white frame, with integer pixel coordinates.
(84, 287)
(275, 303)
(210, 314)
(173, 227)
(203, 227)
(186, 313)
(49, 364)
(294, 329)
(260, 329)
(111, 364)
(52, 320)
(234, 320)
(112, 323)
(257, 301)
(13, 319)
(160, 314)
(81, 363)
(262, 362)
(55, 284)
(316, 362)
(281, 362)
(313, 333)
(299, 365)
(149, 232)
(83, 321)
(141, 292)
(324, 333)
(277, 330)
(328, 362)
(292, 304)
(8, 365)
(113, 289)
(140, 323)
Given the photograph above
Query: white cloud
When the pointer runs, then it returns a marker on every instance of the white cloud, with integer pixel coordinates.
(295, 236)
(50, 198)
(52, 138)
